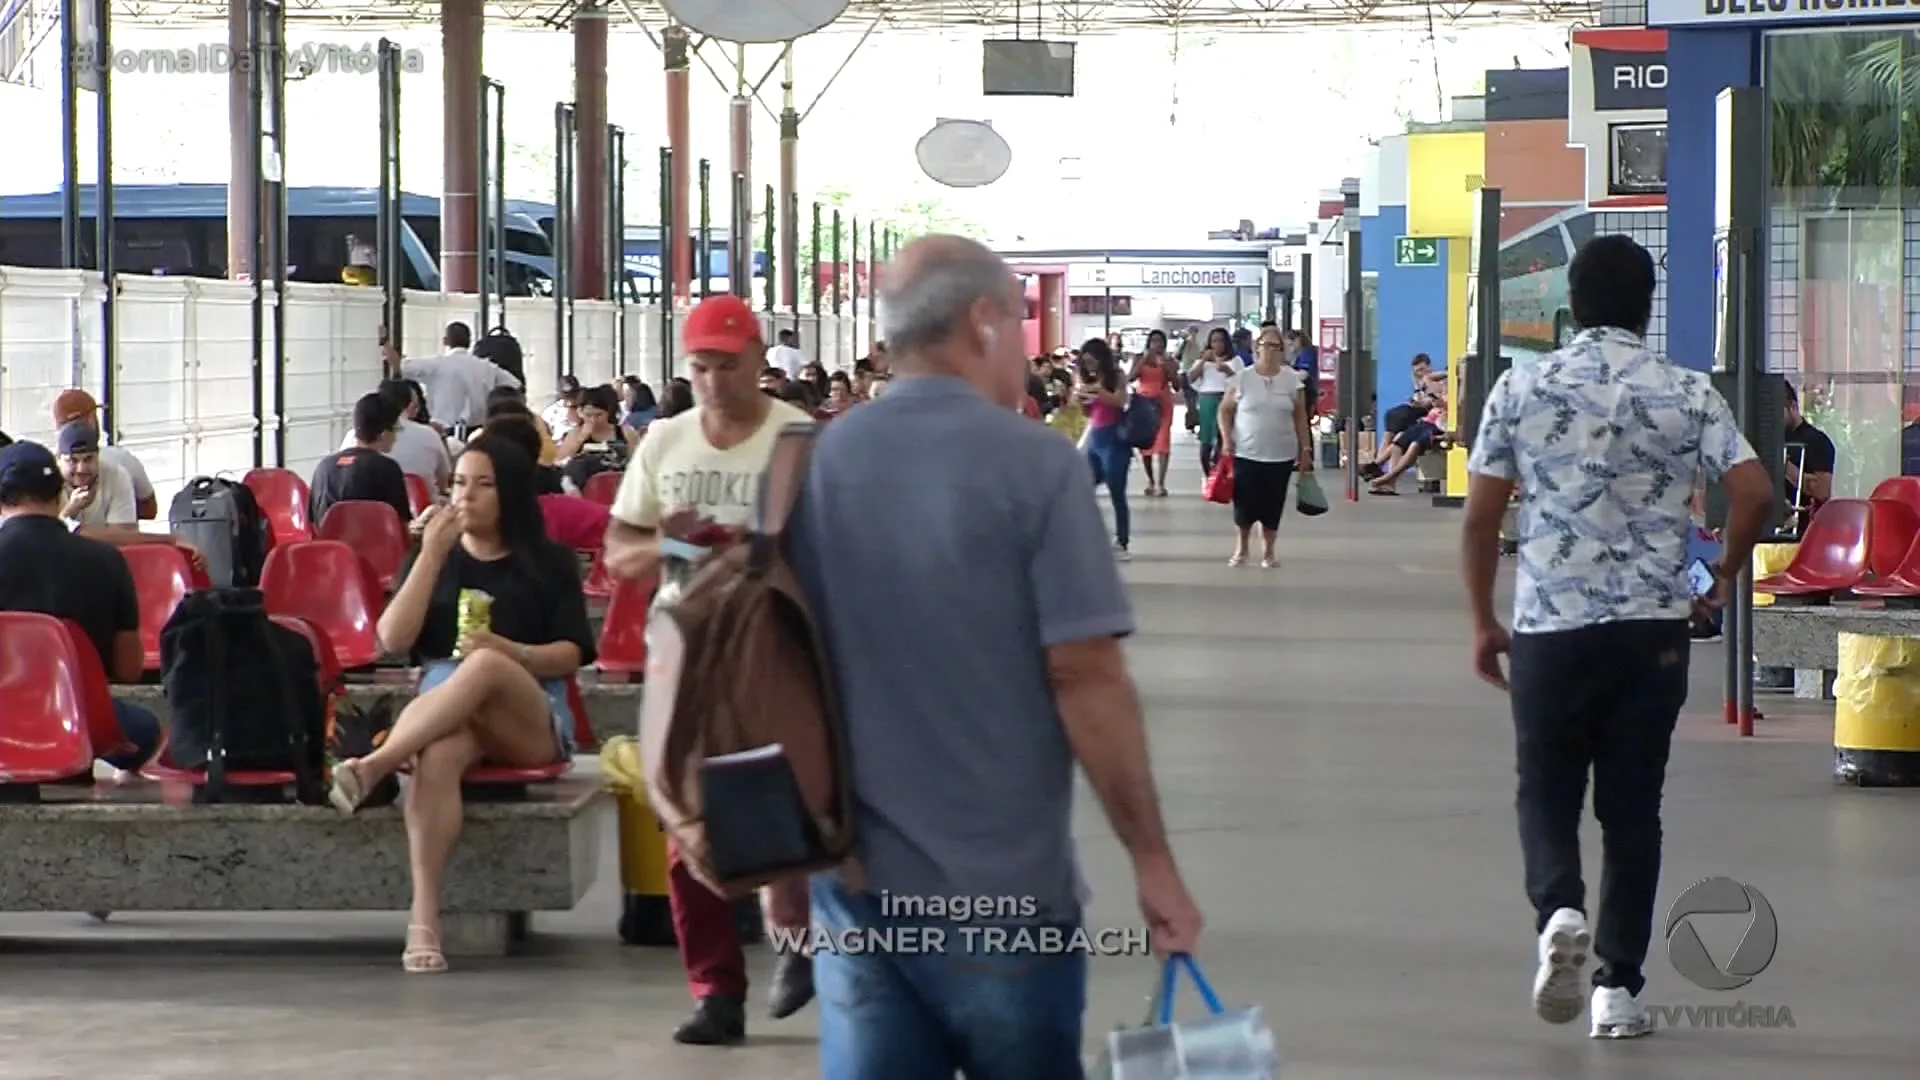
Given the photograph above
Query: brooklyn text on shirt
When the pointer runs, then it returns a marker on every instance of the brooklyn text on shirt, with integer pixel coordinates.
(710, 488)
(962, 939)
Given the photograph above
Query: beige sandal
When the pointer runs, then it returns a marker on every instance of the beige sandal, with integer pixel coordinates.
(346, 792)
(422, 957)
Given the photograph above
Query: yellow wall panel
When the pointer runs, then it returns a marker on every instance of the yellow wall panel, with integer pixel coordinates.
(1444, 169)
(1457, 252)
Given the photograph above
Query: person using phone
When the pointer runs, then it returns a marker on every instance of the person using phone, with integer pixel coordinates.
(688, 492)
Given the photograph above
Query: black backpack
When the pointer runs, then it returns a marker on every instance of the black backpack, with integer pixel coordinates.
(221, 518)
(504, 350)
(243, 693)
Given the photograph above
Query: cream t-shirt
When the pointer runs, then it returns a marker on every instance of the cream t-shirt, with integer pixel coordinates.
(675, 467)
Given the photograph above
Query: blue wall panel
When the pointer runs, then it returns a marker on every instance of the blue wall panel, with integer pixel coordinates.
(1413, 306)
(1700, 63)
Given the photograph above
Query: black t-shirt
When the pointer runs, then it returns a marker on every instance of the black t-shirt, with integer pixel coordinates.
(1806, 439)
(358, 473)
(47, 569)
(536, 600)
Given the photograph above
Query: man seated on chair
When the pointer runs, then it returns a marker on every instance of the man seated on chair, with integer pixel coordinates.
(363, 472)
(1427, 433)
(46, 568)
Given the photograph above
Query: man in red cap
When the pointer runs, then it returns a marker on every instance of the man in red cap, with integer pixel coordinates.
(692, 482)
(74, 406)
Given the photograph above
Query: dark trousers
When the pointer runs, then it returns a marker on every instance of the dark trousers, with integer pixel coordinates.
(1603, 698)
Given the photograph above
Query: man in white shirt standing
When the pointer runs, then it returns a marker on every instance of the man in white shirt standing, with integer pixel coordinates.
(78, 407)
(787, 355)
(458, 382)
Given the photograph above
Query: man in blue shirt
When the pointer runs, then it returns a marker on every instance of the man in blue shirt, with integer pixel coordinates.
(954, 557)
(1606, 444)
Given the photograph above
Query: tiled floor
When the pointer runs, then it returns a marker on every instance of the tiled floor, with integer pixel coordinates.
(1341, 790)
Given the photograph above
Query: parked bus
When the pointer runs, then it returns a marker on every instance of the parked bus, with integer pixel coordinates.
(181, 230)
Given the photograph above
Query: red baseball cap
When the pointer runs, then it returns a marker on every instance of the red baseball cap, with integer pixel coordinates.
(720, 324)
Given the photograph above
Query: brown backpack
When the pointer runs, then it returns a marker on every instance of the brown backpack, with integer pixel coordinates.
(745, 759)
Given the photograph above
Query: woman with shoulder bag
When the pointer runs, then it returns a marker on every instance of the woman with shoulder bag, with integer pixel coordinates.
(1263, 419)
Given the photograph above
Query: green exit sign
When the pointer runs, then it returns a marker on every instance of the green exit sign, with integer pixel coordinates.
(1416, 251)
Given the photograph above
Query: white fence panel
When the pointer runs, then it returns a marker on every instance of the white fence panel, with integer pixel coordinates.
(333, 358)
(49, 342)
(594, 324)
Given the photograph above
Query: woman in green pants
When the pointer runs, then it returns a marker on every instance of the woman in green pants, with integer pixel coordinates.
(1209, 377)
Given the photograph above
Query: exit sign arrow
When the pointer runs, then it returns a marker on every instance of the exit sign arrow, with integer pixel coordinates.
(1416, 251)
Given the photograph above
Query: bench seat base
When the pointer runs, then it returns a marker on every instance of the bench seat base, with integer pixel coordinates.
(121, 848)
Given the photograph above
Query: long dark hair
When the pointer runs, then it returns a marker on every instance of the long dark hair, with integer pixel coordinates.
(420, 415)
(523, 528)
(639, 395)
(1161, 334)
(1106, 367)
(677, 399)
(1225, 335)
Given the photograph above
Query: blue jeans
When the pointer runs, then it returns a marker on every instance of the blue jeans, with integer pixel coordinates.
(934, 1013)
(1109, 456)
(142, 728)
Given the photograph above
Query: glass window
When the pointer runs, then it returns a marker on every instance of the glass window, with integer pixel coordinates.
(1844, 168)
(1536, 254)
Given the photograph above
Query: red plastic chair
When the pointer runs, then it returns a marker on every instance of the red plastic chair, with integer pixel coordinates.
(599, 584)
(96, 695)
(162, 578)
(1892, 528)
(1905, 489)
(327, 584)
(282, 496)
(602, 487)
(45, 737)
(1832, 556)
(374, 531)
(623, 632)
(419, 496)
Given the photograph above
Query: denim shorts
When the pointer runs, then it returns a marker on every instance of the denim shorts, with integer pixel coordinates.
(437, 672)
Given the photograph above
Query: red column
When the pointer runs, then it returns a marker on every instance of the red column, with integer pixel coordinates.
(461, 26)
(678, 53)
(590, 152)
(242, 216)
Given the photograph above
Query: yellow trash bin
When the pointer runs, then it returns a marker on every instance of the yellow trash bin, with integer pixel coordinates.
(1770, 559)
(1876, 711)
(646, 913)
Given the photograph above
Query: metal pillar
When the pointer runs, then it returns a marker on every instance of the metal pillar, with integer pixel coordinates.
(813, 289)
(704, 250)
(668, 278)
(462, 25)
(789, 184)
(266, 116)
(1303, 285)
(1740, 215)
(100, 75)
(853, 271)
(674, 247)
(616, 242)
(389, 249)
(242, 214)
(491, 225)
(769, 239)
(1351, 401)
(740, 260)
(590, 155)
(873, 284)
(564, 187)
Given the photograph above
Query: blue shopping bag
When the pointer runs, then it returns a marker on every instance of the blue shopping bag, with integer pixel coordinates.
(1227, 1044)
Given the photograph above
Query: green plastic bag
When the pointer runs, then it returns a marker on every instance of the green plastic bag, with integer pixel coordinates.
(1308, 498)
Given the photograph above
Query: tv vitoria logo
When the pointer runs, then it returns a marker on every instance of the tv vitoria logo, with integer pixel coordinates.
(1721, 898)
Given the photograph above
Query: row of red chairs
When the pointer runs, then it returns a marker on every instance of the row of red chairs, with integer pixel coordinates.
(1868, 548)
(60, 712)
(331, 586)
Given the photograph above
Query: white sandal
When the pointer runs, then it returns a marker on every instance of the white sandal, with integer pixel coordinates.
(423, 957)
(1236, 560)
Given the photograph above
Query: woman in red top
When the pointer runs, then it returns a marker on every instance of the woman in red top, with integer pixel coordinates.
(1154, 372)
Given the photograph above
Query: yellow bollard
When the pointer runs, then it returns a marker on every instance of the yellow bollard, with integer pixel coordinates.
(1876, 712)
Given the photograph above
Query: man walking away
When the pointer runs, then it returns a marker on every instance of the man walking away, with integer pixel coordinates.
(938, 523)
(457, 382)
(1598, 665)
(787, 355)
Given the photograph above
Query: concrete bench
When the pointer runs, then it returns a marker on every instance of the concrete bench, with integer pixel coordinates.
(1806, 638)
(138, 847)
(612, 708)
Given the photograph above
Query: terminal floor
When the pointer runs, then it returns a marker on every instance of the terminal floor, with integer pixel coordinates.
(1340, 790)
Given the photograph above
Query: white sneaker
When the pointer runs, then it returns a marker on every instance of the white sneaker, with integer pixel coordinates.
(1557, 986)
(1618, 1014)
(1121, 553)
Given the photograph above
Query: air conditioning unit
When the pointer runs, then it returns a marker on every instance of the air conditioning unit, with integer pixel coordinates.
(1637, 159)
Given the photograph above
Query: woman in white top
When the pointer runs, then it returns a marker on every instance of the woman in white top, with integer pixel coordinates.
(1210, 376)
(1264, 422)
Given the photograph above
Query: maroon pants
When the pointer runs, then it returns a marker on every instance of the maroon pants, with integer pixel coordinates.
(709, 938)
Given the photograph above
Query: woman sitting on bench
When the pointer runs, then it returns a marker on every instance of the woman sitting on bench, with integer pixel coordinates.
(494, 610)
